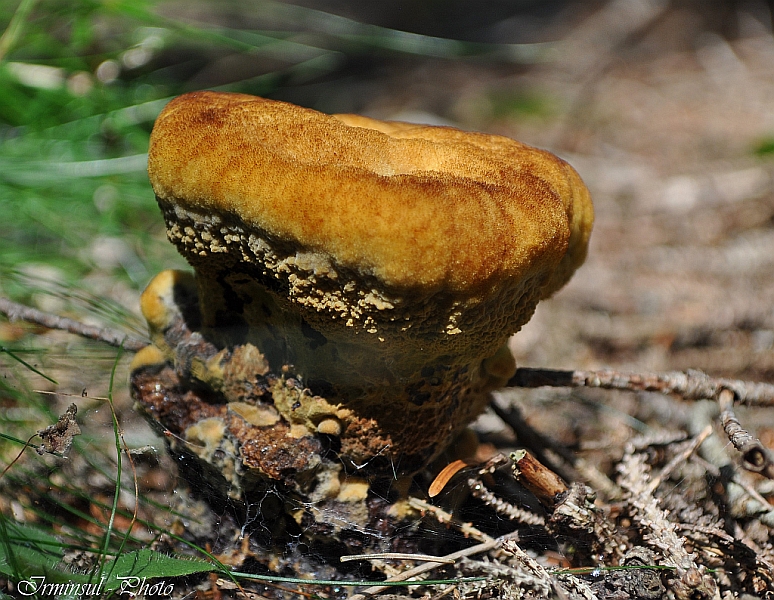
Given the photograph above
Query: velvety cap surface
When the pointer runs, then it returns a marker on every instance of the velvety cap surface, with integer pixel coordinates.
(415, 207)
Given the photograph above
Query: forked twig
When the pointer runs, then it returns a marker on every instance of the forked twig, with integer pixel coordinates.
(689, 385)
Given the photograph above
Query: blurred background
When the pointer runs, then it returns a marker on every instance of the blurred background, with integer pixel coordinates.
(665, 107)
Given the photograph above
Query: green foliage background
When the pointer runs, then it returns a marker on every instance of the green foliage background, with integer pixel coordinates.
(81, 83)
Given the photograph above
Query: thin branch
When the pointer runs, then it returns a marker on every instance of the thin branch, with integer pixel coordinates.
(18, 312)
(690, 385)
(424, 568)
(443, 517)
(536, 441)
(742, 501)
(679, 459)
(755, 456)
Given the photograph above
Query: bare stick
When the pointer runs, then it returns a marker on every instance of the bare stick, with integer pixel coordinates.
(546, 485)
(397, 556)
(679, 459)
(530, 437)
(444, 517)
(690, 385)
(424, 568)
(18, 312)
(755, 456)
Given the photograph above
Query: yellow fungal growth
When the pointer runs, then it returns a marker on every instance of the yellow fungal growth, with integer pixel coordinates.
(376, 269)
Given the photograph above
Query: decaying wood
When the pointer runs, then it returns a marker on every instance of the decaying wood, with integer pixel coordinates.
(537, 478)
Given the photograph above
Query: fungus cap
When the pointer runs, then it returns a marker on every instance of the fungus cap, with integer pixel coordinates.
(365, 224)
(378, 268)
(416, 206)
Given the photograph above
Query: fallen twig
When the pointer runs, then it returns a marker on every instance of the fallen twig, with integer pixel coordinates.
(690, 385)
(546, 485)
(19, 312)
(742, 500)
(443, 517)
(529, 437)
(679, 459)
(755, 456)
(490, 544)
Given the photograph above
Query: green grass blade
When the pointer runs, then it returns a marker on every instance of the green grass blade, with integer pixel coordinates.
(150, 564)
(27, 365)
(14, 30)
(119, 463)
(27, 551)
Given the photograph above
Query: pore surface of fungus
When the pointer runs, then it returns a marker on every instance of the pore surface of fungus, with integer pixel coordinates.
(377, 268)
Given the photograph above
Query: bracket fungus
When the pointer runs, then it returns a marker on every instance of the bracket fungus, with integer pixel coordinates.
(356, 282)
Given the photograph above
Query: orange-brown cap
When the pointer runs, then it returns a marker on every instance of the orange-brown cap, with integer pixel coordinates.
(352, 216)
(382, 264)
(413, 205)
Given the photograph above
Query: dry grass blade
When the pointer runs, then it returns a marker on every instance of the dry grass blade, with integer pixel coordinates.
(491, 544)
(440, 481)
(397, 556)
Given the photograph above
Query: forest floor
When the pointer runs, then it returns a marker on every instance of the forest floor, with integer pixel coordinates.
(671, 126)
